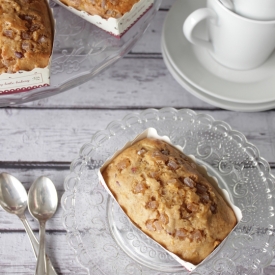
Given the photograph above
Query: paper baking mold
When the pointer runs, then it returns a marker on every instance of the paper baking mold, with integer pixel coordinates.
(152, 133)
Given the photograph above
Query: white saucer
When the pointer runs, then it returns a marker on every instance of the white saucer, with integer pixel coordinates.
(196, 66)
(224, 104)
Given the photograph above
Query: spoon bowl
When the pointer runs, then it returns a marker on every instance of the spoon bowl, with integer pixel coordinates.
(42, 204)
(13, 195)
(42, 200)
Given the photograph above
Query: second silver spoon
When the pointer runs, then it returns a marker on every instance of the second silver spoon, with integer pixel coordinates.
(42, 204)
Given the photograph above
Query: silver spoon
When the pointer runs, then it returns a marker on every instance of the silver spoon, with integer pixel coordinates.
(13, 199)
(42, 204)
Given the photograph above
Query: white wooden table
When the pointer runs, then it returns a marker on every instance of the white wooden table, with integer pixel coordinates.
(44, 136)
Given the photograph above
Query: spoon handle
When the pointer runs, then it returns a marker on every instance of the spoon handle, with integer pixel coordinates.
(35, 245)
(41, 268)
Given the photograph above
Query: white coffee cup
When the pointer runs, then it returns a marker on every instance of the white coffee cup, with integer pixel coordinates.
(234, 41)
(255, 9)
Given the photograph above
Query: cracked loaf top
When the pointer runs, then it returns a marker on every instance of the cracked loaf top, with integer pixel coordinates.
(164, 194)
(103, 8)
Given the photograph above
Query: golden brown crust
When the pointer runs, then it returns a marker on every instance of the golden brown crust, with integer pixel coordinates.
(103, 8)
(162, 192)
(25, 35)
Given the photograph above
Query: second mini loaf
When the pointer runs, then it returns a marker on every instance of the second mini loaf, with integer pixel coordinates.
(26, 35)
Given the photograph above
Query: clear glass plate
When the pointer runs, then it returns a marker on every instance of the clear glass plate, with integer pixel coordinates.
(81, 50)
(106, 243)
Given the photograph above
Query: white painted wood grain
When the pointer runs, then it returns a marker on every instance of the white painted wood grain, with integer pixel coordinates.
(18, 257)
(58, 134)
(146, 84)
(150, 41)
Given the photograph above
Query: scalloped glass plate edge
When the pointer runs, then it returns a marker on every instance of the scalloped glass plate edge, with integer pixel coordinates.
(254, 238)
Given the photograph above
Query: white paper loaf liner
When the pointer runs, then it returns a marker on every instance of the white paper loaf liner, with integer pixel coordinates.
(152, 133)
(23, 81)
(118, 26)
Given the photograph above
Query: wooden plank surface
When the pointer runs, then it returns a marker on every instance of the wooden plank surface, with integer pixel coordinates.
(58, 134)
(147, 84)
(44, 136)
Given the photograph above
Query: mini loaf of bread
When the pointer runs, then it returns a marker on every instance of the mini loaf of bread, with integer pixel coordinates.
(103, 8)
(162, 192)
(26, 35)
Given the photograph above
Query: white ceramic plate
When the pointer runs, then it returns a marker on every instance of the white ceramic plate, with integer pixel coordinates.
(232, 106)
(196, 66)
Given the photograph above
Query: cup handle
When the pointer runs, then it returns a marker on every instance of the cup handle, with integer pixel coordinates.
(191, 22)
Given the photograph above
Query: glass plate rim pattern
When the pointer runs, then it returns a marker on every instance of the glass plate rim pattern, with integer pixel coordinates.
(224, 265)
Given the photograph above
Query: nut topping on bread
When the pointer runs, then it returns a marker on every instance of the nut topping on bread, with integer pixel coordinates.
(164, 194)
(25, 35)
(103, 8)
